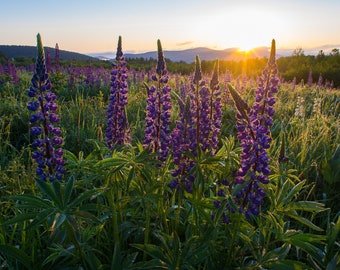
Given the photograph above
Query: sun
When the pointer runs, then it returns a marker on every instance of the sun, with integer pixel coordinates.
(246, 48)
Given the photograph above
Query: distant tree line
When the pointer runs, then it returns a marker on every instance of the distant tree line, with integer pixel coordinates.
(299, 66)
(296, 67)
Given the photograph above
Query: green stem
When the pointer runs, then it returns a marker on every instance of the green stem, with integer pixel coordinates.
(114, 218)
(147, 229)
(235, 229)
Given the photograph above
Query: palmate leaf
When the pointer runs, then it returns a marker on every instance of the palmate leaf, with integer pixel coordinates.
(87, 195)
(51, 191)
(41, 217)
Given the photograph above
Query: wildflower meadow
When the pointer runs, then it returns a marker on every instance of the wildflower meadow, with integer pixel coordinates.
(116, 167)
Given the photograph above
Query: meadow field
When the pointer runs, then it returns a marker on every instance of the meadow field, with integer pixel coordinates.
(121, 168)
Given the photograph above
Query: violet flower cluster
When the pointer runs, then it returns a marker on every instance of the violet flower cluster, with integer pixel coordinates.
(215, 108)
(117, 131)
(183, 138)
(198, 126)
(47, 142)
(253, 126)
(157, 131)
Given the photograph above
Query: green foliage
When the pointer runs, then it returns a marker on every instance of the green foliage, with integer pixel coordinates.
(116, 210)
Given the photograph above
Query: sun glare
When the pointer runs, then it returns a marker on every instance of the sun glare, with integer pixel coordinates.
(246, 48)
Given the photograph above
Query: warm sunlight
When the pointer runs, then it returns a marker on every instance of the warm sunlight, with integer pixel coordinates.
(247, 48)
(245, 28)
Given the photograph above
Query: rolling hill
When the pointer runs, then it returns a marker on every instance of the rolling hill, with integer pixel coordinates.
(16, 51)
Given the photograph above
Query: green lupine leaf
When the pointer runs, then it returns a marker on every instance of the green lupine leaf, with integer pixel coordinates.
(278, 253)
(309, 206)
(20, 218)
(58, 221)
(87, 195)
(302, 220)
(17, 254)
(58, 194)
(68, 190)
(111, 162)
(305, 242)
(294, 191)
(289, 265)
(30, 201)
(86, 215)
(153, 251)
(48, 190)
(41, 217)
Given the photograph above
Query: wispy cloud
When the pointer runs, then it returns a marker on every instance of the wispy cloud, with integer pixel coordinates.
(185, 43)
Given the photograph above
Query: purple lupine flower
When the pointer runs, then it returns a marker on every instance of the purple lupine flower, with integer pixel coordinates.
(117, 131)
(47, 142)
(198, 125)
(215, 107)
(157, 131)
(182, 137)
(204, 122)
(253, 125)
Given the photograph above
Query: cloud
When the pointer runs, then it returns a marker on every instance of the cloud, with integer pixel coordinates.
(185, 43)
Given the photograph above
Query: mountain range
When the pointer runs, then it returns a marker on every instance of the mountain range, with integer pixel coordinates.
(188, 55)
(210, 54)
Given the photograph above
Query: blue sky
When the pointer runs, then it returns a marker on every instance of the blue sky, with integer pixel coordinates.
(94, 26)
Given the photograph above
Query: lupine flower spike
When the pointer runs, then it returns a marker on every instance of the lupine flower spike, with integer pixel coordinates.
(117, 131)
(48, 152)
(253, 125)
(215, 107)
(157, 132)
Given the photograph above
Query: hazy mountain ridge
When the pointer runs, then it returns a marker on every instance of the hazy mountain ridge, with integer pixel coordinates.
(188, 55)
(14, 51)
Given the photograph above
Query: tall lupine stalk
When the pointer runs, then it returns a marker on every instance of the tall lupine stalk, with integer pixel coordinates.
(186, 135)
(215, 107)
(117, 131)
(48, 152)
(198, 126)
(253, 126)
(157, 132)
(57, 58)
(48, 61)
(196, 102)
(183, 136)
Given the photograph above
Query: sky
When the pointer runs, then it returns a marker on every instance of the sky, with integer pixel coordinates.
(94, 26)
